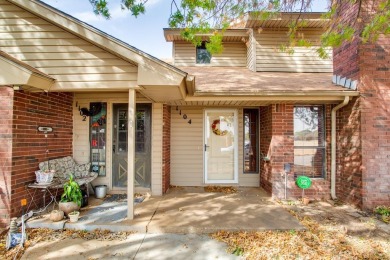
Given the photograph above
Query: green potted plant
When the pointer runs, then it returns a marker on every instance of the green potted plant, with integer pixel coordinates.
(71, 198)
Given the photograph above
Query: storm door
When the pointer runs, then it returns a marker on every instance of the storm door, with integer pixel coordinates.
(220, 148)
(142, 146)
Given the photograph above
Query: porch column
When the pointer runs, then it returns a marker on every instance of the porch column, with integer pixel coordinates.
(131, 155)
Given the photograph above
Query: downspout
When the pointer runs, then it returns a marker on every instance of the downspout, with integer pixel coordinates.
(333, 148)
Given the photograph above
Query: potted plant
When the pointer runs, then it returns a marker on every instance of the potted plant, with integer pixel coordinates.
(74, 216)
(56, 215)
(71, 198)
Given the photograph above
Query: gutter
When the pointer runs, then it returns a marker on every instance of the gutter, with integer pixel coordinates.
(333, 147)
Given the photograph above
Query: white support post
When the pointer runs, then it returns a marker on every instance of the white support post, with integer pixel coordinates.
(131, 154)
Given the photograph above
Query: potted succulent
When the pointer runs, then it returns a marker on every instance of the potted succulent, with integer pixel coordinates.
(72, 196)
(74, 216)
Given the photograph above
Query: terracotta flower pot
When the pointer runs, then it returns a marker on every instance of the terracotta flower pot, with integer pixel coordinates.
(56, 215)
(68, 207)
(305, 201)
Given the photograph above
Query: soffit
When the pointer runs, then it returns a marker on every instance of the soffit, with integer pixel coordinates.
(230, 35)
(282, 20)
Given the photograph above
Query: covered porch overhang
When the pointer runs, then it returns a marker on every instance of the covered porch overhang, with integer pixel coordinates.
(18, 74)
(238, 86)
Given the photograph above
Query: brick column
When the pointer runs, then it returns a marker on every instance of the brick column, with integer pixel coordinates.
(265, 147)
(166, 156)
(6, 104)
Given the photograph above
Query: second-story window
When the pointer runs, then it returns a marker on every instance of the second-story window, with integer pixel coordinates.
(203, 56)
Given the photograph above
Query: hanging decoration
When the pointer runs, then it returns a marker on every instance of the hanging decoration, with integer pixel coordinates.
(216, 130)
(184, 115)
(95, 109)
(98, 126)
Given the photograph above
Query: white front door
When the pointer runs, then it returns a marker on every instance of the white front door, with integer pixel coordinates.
(220, 149)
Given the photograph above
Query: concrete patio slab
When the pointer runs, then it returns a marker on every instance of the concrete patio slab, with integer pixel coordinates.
(184, 210)
(196, 211)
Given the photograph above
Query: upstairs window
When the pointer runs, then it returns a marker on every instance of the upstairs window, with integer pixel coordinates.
(309, 141)
(203, 56)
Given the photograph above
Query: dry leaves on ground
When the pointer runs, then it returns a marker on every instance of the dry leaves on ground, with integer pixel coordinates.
(37, 235)
(317, 242)
(223, 189)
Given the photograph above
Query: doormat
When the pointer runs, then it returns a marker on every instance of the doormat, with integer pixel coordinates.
(222, 189)
(123, 198)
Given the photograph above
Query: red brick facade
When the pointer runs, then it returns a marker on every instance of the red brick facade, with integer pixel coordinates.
(364, 133)
(29, 147)
(277, 143)
(349, 154)
(6, 104)
(166, 156)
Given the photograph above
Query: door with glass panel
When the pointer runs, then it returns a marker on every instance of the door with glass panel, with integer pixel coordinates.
(142, 145)
(220, 146)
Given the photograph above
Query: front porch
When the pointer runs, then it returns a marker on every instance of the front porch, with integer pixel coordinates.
(184, 210)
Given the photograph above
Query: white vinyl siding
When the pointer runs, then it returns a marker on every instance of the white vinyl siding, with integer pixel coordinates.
(269, 57)
(187, 149)
(73, 62)
(251, 53)
(234, 54)
(157, 136)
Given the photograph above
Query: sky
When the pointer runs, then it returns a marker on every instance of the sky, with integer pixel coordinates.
(144, 32)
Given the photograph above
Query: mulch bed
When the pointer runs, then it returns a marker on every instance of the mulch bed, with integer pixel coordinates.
(320, 241)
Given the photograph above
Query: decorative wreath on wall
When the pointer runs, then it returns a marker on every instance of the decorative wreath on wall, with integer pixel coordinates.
(216, 130)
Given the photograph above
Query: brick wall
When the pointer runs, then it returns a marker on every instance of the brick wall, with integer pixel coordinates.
(375, 122)
(166, 156)
(282, 145)
(6, 103)
(277, 141)
(29, 146)
(346, 58)
(364, 172)
(349, 156)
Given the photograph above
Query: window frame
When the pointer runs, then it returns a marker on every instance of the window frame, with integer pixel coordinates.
(318, 147)
(202, 46)
(257, 142)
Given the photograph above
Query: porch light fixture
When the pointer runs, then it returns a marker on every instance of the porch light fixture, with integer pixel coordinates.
(17, 87)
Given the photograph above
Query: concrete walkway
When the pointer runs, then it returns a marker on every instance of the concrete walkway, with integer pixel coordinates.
(137, 246)
(185, 210)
